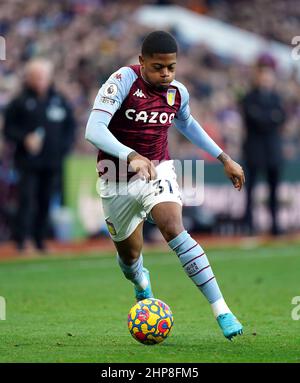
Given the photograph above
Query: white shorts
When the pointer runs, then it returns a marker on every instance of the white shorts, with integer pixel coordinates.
(126, 205)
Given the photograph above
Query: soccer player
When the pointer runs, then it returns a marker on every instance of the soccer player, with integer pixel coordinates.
(129, 125)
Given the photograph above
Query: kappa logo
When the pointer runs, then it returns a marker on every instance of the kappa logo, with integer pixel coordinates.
(118, 76)
(139, 93)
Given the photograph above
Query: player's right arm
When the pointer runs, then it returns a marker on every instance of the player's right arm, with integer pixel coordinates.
(108, 100)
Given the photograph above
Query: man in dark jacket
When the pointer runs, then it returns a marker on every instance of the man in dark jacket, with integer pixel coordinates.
(263, 116)
(40, 123)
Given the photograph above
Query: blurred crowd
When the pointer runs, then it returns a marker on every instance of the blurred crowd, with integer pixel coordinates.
(87, 40)
(272, 19)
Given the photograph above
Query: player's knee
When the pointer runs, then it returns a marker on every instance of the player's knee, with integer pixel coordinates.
(171, 228)
(129, 257)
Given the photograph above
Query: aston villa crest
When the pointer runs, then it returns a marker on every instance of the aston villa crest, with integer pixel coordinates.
(111, 227)
(171, 94)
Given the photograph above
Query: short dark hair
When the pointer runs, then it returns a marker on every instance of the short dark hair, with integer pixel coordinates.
(159, 42)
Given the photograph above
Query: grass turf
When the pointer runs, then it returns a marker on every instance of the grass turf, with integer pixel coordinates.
(74, 309)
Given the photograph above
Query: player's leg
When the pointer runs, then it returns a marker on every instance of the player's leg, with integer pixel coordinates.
(168, 217)
(130, 259)
(124, 218)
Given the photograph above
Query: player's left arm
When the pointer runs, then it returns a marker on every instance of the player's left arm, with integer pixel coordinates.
(191, 129)
(233, 170)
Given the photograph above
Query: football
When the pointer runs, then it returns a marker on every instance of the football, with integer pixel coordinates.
(150, 321)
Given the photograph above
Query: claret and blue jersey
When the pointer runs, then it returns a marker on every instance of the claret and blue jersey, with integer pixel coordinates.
(140, 114)
(130, 114)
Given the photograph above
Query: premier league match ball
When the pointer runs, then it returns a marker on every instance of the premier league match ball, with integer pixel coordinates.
(150, 321)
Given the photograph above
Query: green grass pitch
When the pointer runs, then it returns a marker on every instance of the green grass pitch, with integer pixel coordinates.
(74, 308)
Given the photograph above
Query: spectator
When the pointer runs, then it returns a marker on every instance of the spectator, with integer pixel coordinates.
(263, 116)
(40, 123)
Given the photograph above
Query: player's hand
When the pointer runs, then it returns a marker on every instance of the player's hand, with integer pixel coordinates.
(142, 166)
(33, 143)
(233, 171)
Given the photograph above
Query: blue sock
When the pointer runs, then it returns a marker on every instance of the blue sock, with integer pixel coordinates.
(196, 265)
(134, 272)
